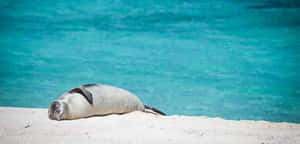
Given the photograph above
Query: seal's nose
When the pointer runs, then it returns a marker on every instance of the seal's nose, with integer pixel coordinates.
(51, 116)
(54, 105)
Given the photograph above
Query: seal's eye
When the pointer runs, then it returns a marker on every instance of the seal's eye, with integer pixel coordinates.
(57, 111)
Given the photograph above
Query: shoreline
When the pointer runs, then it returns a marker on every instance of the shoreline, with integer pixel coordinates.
(31, 125)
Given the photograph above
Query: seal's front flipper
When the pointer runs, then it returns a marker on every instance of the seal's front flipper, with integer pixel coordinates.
(81, 90)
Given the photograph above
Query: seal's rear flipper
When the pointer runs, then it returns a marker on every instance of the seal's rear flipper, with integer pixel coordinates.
(154, 109)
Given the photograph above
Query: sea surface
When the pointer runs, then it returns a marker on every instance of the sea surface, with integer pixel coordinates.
(234, 59)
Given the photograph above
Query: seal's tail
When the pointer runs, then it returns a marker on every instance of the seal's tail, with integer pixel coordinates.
(155, 110)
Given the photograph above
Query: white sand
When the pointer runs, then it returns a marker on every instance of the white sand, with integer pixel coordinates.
(32, 126)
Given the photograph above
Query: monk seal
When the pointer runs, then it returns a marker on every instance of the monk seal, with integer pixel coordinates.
(96, 99)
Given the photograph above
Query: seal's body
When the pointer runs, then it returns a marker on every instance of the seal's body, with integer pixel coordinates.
(95, 99)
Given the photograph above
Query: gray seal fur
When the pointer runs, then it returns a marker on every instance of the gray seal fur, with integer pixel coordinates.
(96, 99)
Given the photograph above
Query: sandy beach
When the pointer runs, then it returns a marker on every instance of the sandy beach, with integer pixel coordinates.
(32, 126)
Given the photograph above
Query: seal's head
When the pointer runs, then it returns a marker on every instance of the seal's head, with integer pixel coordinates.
(58, 111)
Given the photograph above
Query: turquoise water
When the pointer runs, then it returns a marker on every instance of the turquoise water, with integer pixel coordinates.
(232, 59)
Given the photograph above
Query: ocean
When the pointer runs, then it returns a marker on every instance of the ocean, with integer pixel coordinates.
(234, 59)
